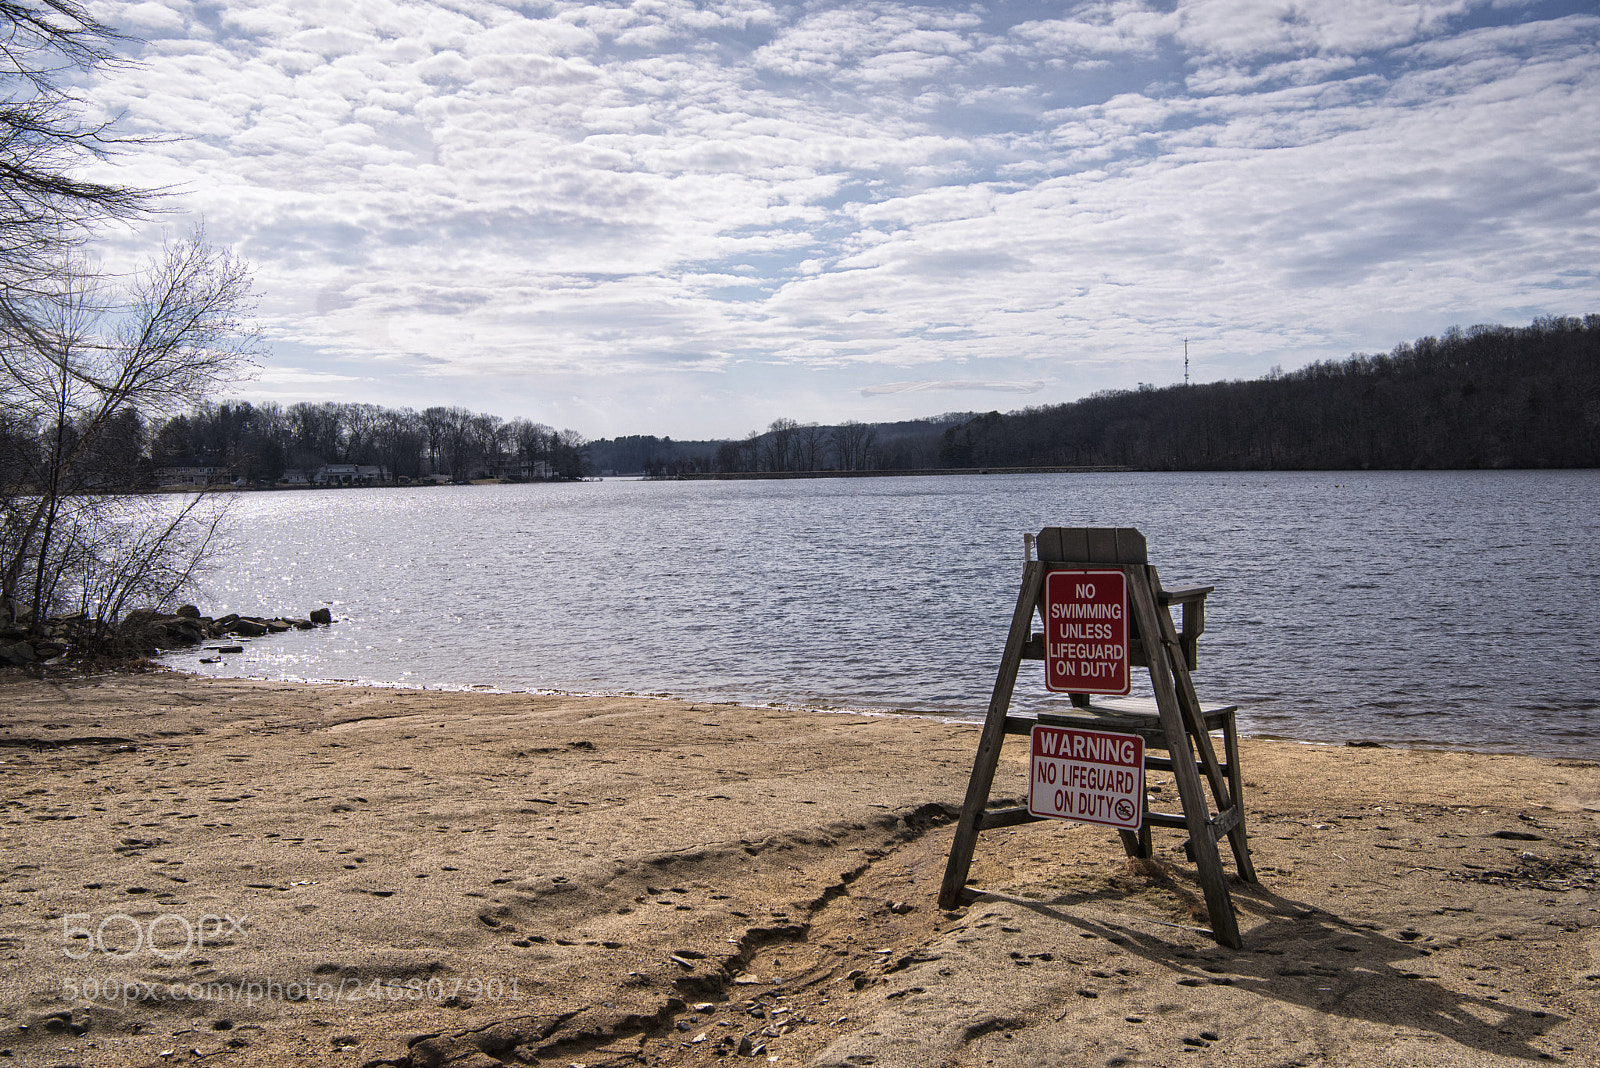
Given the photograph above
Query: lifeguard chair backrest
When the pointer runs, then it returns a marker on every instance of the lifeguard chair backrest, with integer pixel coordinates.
(1091, 545)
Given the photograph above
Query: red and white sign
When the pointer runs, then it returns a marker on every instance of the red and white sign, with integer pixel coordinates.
(1086, 632)
(1088, 776)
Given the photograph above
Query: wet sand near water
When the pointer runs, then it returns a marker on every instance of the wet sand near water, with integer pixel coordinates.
(252, 873)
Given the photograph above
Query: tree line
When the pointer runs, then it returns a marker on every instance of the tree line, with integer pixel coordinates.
(260, 443)
(786, 446)
(1485, 397)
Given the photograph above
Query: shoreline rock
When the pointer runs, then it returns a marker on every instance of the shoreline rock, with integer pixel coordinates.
(185, 626)
(142, 631)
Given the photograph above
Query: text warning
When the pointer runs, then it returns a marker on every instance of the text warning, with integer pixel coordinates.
(1086, 632)
(1090, 776)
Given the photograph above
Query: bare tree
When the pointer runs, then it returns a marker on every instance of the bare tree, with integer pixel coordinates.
(434, 421)
(750, 452)
(810, 447)
(571, 454)
(44, 210)
(399, 442)
(534, 443)
(778, 444)
(361, 425)
(852, 442)
(487, 434)
(727, 457)
(457, 440)
(128, 550)
(95, 365)
(315, 433)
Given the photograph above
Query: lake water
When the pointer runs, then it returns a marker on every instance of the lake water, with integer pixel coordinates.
(1456, 609)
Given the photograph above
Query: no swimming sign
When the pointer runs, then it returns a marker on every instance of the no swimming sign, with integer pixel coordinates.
(1086, 632)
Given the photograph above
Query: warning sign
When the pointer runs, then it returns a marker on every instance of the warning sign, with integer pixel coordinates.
(1086, 632)
(1089, 776)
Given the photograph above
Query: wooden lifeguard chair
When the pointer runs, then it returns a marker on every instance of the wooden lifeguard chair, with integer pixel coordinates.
(1174, 722)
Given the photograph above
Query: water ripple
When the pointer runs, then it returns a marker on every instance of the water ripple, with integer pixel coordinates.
(1440, 608)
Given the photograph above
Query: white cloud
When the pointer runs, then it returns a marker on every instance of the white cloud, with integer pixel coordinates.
(437, 197)
(151, 19)
(297, 376)
(1251, 28)
(958, 386)
(1120, 28)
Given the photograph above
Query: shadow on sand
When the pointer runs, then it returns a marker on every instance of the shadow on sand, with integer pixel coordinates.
(1301, 955)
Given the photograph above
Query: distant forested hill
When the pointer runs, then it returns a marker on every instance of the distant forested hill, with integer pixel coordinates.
(1490, 396)
(785, 446)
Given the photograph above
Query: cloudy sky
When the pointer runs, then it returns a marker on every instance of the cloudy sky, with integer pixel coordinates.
(692, 218)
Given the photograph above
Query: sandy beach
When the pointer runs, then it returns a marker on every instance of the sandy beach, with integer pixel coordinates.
(251, 873)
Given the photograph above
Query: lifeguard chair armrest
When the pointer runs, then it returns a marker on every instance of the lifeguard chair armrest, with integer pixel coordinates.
(1184, 594)
(1192, 599)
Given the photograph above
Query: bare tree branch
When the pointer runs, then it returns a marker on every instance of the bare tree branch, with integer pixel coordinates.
(94, 366)
(45, 208)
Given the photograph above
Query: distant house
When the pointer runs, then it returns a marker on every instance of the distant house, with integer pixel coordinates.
(191, 473)
(295, 476)
(531, 468)
(334, 474)
(348, 474)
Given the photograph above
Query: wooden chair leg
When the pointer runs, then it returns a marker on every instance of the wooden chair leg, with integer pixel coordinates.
(1237, 837)
(1138, 844)
(953, 889)
(1175, 709)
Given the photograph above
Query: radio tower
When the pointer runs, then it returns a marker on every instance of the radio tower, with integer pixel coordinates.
(1186, 362)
